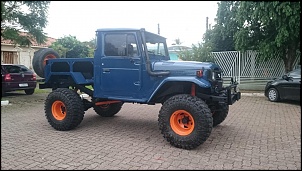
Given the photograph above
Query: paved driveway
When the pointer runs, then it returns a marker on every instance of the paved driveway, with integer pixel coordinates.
(257, 134)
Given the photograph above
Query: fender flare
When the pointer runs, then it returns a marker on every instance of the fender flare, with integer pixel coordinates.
(201, 83)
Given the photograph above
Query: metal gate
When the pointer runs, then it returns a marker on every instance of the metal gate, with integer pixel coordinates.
(247, 65)
(229, 61)
(247, 68)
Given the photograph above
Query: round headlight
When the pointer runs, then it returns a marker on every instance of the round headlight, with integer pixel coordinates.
(213, 75)
(237, 89)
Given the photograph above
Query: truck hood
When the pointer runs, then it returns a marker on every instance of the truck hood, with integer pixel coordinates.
(182, 65)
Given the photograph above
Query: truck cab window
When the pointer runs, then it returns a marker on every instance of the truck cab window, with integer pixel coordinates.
(120, 45)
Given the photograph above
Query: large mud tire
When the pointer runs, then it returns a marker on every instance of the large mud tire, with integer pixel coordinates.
(40, 58)
(87, 104)
(185, 121)
(220, 115)
(64, 109)
(108, 110)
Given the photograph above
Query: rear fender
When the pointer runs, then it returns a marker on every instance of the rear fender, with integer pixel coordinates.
(77, 77)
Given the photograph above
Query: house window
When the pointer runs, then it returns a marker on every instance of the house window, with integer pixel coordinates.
(8, 57)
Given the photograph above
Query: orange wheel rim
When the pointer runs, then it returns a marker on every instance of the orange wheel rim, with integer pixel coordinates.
(182, 122)
(50, 56)
(58, 110)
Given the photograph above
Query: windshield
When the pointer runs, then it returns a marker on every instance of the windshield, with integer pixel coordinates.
(157, 49)
(295, 73)
(156, 44)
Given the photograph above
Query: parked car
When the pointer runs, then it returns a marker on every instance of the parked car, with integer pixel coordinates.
(285, 87)
(17, 77)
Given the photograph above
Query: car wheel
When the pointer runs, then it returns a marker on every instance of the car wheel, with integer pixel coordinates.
(3, 92)
(273, 95)
(29, 91)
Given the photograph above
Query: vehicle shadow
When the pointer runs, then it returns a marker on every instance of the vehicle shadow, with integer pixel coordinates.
(293, 102)
(16, 93)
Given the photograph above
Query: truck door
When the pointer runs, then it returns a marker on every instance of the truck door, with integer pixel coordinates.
(120, 65)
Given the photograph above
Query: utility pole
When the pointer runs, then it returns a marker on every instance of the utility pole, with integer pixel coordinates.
(207, 22)
(158, 32)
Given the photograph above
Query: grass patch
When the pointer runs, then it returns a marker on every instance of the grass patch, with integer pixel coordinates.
(89, 87)
(37, 90)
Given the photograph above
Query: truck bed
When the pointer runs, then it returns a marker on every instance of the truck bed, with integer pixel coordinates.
(81, 69)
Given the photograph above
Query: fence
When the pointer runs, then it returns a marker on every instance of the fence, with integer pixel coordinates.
(245, 67)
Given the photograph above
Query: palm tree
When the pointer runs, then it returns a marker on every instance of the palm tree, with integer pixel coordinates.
(177, 42)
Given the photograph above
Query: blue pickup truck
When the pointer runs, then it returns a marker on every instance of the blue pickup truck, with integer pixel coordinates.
(133, 66)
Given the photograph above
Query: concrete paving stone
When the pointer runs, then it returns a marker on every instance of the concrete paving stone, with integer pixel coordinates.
(256, 135)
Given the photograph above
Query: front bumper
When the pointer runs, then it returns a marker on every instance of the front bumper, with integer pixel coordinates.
(229, 95)
(232, 94)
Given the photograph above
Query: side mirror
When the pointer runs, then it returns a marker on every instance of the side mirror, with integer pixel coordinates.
(285, 77)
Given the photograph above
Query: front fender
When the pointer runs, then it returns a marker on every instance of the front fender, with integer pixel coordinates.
(199, 82)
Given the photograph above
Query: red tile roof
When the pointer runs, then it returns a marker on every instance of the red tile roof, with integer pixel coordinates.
(47, 43)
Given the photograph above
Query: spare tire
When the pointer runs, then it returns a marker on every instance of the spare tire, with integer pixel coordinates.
(40, 58)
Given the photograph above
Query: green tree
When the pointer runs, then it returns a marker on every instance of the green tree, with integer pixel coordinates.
(272, 28)
(27, 16)
(200, 52)
(91, 46)
(71, 47)
(221, 37)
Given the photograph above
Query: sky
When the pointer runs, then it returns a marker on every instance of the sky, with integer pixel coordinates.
(185, 20)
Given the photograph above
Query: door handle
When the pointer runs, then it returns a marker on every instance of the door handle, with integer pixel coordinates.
(135, 62)
(106, 70)
(137, 83)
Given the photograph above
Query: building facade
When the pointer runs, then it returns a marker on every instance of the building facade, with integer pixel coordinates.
(14, 54)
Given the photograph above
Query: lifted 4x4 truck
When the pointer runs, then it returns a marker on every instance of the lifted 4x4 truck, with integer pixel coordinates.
(133, 66)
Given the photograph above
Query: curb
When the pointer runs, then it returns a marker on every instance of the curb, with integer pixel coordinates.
(253, 94)
(4, 102)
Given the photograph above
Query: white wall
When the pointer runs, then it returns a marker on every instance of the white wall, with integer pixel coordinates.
(25, 54)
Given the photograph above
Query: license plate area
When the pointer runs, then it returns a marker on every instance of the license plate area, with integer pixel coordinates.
(23, 85)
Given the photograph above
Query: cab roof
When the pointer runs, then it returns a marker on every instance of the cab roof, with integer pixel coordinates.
(129, 29)
(119, 29)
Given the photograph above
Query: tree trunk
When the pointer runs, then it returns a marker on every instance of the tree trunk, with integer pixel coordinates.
(290, 59)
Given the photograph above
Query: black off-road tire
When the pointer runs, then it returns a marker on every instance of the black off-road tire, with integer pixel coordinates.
(220, 115)
(29, 91)
(64, 109)
(108, 110)
(3, 92)
(39, 59)
(87, 104)
(194, 132)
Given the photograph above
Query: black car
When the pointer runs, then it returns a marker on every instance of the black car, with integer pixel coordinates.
(17, 77)
(286, 87)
